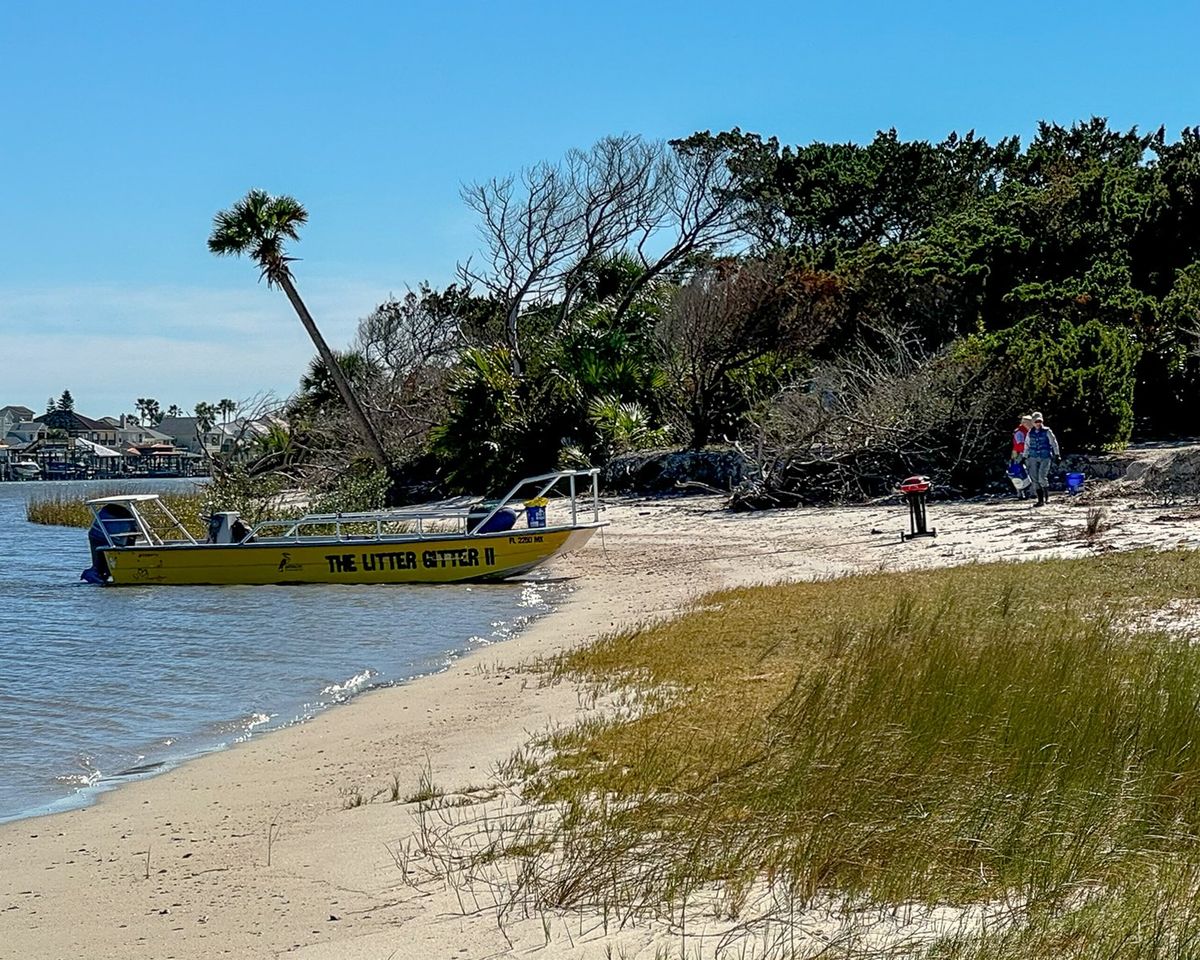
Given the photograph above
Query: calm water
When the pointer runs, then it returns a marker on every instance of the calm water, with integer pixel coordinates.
(98, 685)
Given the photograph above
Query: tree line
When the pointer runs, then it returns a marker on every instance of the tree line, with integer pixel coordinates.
(843, 313)
(150, 412)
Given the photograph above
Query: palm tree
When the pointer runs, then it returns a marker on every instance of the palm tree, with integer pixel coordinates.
(257, 226)
(206, 416)
(226, 408)
(148, 411)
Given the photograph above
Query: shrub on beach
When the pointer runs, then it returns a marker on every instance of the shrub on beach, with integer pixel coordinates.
(1082, 375)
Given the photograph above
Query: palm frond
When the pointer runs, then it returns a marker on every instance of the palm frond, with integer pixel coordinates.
(256, 226)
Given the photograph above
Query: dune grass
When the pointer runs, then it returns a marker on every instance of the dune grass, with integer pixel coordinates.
(978, 735)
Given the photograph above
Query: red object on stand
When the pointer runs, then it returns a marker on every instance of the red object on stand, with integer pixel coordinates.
(914, 490)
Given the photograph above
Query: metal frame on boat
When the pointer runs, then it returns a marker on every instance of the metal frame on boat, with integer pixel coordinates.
(136, 539)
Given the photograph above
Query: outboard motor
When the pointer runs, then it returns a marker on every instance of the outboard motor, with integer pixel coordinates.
(226, 527)
(114, 523)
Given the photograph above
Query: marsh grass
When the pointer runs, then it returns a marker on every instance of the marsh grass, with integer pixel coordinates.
(63, 510)
(1152, 915)
(974, 735)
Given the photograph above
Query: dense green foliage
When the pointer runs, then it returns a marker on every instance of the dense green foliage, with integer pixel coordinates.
(1062, 274)
(1085, 372)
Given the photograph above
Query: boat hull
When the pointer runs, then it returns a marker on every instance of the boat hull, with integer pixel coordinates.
(429, 560)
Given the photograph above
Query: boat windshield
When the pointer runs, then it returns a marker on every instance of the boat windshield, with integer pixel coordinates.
(137, 519)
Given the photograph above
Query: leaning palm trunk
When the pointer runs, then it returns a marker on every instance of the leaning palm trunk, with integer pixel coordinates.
(357, 414)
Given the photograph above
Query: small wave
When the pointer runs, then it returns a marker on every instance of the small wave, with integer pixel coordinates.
(340, 691)
(247, 725)
(89, 773)
(240, 727)
(79, 780)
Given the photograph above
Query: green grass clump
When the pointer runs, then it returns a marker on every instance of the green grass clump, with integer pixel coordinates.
(1152, 915)
(976, 735)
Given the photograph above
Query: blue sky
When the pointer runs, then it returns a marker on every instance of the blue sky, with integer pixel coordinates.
(127, 125)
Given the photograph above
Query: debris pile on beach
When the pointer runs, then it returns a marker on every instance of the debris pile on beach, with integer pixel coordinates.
(1165, 472)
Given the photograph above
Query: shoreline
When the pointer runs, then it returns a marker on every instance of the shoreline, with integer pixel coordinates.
(169, 858)
(289, 843)
(552, 595)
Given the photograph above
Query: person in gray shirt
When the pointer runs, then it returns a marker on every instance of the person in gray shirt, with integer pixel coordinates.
(1041, 447)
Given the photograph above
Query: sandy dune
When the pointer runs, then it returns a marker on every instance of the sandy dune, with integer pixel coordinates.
(177, 866)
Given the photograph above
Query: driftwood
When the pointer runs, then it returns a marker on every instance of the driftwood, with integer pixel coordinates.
(887, 410)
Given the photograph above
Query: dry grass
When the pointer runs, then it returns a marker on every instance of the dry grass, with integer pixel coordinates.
(977, 735)
(1096, 523)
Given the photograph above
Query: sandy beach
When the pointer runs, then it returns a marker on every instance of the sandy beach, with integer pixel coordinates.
(265, 850)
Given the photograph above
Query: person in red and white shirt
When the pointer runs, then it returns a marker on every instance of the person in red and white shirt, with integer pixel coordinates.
(1019, 437)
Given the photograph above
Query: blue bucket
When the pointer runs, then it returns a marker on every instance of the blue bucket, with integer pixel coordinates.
(1016, 471)
(1074, 482)
(535, 516)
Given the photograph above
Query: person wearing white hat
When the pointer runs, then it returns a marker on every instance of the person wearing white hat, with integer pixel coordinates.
(1018, 441)
(1020, 478)
(1041, 447)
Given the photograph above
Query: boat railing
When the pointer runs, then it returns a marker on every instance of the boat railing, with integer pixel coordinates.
(360, 526)
(417, 523)
(546, 484)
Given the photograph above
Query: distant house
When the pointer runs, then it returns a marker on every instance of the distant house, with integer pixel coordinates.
(16, 413)
(183, 433)
(243, 433)
(130, 432)
(76, 425)
(11, 415)
(24, 433)
(220, 438)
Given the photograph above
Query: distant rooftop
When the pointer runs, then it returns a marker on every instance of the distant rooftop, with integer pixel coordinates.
(70, 421)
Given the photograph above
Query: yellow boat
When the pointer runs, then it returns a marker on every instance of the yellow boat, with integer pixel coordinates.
(433, 544)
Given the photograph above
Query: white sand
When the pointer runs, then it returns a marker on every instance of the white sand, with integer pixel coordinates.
(75, 884)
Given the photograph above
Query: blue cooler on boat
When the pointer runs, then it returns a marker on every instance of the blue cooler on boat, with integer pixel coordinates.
(1074, 482)
(503, 519)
